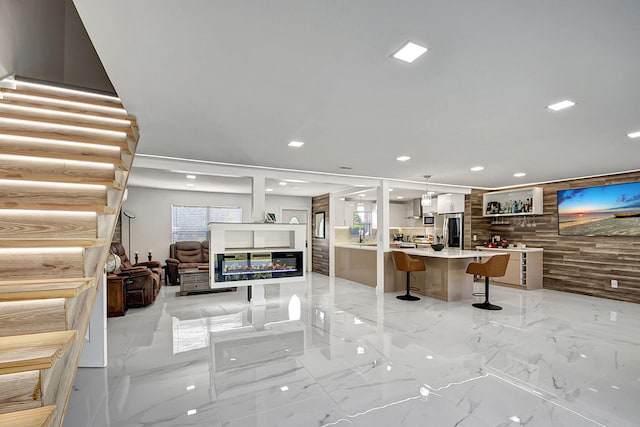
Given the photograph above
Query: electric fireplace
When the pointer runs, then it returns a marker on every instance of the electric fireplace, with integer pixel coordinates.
(236, 266)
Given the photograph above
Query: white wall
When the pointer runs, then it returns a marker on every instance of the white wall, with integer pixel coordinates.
(45, 39)
(151, 230)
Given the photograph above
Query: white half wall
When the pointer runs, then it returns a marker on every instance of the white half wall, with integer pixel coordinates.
(151, 229)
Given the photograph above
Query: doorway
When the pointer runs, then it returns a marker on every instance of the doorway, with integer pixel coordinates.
(299, 216)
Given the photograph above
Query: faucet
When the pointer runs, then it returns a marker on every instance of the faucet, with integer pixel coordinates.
(361, 235)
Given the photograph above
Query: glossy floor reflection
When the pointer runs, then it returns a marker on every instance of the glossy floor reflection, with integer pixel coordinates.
(331, 353)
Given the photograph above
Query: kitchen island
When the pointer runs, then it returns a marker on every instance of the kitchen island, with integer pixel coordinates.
(357, 262)
(445, 277)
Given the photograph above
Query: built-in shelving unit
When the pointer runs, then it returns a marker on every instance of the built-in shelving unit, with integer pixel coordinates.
(523, 201)
(524, 268)
(249, 254)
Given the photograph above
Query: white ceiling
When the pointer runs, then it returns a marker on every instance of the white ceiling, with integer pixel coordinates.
(235, 81)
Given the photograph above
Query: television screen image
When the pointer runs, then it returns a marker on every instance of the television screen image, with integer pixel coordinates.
(608, 210)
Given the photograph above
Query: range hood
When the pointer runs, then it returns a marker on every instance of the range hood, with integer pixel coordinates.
(417, 209)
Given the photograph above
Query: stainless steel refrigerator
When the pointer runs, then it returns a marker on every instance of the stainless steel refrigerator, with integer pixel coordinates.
(449, 227)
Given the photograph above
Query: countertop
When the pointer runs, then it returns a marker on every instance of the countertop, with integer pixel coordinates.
(428, 252)
(482, 248)
(364, 246)
(445, 253)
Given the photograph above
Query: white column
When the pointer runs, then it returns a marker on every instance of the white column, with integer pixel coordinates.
(94, 353)
(257, 295)
(258, 198)
(331, 225)
(383, 232)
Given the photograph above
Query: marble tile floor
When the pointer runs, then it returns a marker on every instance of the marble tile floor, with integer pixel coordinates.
(329, 352)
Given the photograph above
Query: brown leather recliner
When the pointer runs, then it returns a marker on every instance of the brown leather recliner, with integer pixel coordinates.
(186, 254)
(138, 287)
(127, 267)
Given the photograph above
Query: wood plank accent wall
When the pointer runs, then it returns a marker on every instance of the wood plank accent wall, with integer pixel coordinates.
(578, 264)
(320, 247)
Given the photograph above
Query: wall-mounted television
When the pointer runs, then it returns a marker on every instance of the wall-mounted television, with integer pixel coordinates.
(607, 210)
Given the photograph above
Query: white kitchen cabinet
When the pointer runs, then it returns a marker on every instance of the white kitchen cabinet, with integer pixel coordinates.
(398, 214)
(450, 203)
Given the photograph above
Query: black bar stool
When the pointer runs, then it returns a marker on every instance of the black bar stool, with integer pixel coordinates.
(495, 267)
(404, 262)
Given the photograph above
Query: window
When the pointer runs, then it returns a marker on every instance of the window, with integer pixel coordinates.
(191, 222)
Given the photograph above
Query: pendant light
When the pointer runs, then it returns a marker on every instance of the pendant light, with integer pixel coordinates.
(425, 200)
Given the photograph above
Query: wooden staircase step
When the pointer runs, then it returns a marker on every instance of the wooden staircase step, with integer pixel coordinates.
(48, 170)
(33, 352)
(46, 134)
(59, 196)
(41, 263)
(65, 92)
(35, 316)
(33, 224)
(37, 289)
(35, 102)
(76, 118)
(8, 122)
(39, 243)
(41, 148)
(51, 97)
(20, 391)
(55, 207)
(37, 417)
(53, 89)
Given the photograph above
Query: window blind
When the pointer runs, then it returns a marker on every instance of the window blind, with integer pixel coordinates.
(191, 222)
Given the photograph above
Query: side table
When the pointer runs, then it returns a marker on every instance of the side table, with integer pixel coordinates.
(116, 296)
(193, 280)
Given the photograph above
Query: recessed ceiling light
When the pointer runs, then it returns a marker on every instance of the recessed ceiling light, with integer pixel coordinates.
(296, 144)
(519, 174)
(282, 183)
(269, 189)
(477, 168)
(295, 180)
(515, 419)
(561, 105)
(634, 134)
(409, 52)
(343, 199)
(284, 388)
(403, 158)
(361, 195)
(190, 185)
(400, 197)
(191, 177)
(391, 189)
